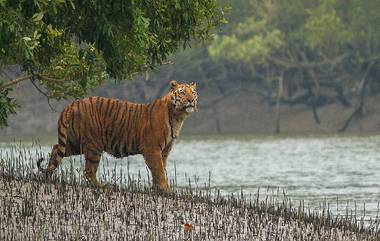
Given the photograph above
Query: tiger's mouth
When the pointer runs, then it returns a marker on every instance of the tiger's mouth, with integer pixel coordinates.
(189, 108)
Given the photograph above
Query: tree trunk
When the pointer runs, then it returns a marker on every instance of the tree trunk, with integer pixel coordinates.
(314, 107)
(217, 121)
(314, 94)
(278, 102)
(360, 103)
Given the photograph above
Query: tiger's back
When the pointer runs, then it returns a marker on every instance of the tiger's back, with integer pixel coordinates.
(105, 124)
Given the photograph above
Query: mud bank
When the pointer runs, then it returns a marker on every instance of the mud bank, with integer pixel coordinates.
(34, 210)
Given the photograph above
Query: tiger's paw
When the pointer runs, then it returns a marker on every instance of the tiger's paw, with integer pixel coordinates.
(93, 182)
(161, 188)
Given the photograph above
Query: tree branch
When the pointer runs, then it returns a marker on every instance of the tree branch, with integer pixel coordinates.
(291, 64)
(44, 94)
(49, 78)
(32, 77)
(227, 94)
(15, 81)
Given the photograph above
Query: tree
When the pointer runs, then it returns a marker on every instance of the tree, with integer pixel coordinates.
(66, 47)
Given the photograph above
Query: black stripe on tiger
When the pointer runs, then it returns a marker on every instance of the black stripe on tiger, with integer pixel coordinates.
(109, 129)
(107, 107)
(123, 123)
(61, 142)
(61, 133)
(116, 151)
(93, 161)
(131, 122)
(124, 149)
(135, 136)
(60, 153)
(114, 132)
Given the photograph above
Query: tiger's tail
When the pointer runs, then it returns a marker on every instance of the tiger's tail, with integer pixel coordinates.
(41, 169)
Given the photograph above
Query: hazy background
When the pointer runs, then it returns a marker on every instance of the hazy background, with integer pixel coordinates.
(240, 112)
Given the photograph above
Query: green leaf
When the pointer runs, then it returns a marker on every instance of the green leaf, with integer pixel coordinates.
(8, 106)
(38, 16)
(177, 5)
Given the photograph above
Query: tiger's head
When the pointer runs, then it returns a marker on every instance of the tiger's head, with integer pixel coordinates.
(184, 96)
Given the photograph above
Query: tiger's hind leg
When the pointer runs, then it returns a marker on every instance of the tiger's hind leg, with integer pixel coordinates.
(56, 156)
(92, 158)
(59, 150)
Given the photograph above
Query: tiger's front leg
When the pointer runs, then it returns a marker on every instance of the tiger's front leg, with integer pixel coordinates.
(165, 153)
(157, 167)
(92, 157)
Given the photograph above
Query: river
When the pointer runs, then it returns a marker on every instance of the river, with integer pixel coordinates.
(338, 171)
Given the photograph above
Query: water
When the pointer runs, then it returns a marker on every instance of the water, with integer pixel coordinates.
(336, 171)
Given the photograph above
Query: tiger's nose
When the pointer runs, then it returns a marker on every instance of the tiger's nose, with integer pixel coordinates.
(190, 99)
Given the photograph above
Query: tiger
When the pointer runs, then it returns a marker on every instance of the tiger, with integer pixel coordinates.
(122, 128)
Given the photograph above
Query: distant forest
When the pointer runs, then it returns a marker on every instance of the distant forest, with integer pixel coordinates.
(294, 52)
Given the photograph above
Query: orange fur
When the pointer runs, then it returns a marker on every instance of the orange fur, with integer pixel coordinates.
(97, 124)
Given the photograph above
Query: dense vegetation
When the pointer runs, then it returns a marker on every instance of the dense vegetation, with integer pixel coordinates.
(66, 47)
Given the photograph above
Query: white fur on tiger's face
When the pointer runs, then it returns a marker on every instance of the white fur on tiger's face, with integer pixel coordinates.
(184, 97)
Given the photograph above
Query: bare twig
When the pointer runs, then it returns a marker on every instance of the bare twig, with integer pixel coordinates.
(32, 80)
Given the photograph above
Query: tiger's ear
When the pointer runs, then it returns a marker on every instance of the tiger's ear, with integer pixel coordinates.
(193, 84)
(173, 84)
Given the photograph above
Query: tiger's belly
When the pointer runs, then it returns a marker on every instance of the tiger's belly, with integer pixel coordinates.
(121, 150)
(121, 155)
